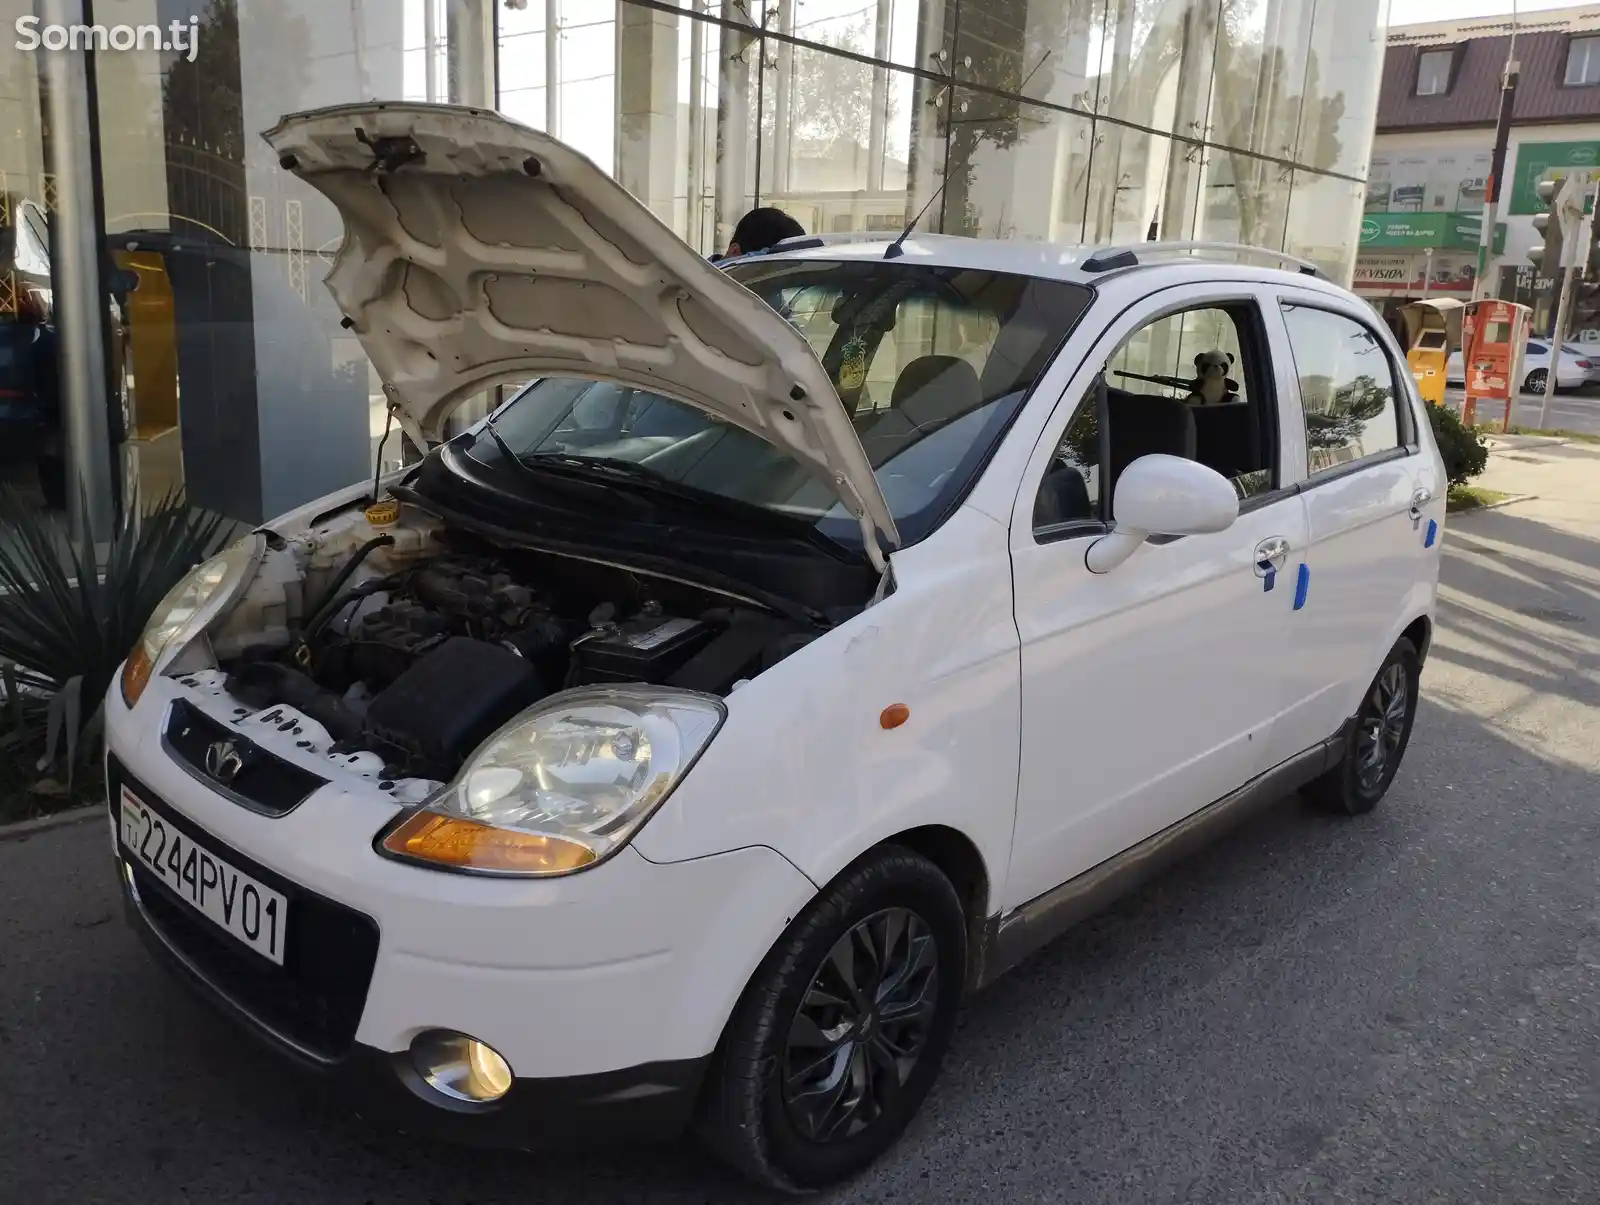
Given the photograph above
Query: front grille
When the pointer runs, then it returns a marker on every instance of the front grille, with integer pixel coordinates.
(313, 1002)
(233, 766)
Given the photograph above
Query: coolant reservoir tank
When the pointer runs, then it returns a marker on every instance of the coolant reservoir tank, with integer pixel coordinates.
(337, 539)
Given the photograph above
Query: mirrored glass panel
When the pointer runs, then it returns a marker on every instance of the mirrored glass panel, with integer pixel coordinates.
(1127, 182)
(1155, 63)
(835, 140)
(1016, 170)
(1259, 73)
(33, 439)
(1340, 92)
(1324, 213)
(1043, 50)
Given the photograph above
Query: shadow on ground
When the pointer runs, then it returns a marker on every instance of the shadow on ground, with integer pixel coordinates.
(1271, 1015)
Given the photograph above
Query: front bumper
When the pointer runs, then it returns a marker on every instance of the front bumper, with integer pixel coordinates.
(634, 1104)
(605, 991)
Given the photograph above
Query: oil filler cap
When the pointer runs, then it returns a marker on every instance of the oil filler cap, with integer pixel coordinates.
(382, 514)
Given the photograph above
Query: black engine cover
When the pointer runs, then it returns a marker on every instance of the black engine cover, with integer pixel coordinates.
(435, 713)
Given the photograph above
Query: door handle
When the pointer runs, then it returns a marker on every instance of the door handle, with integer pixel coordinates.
(1270, 555)
(1420, 497)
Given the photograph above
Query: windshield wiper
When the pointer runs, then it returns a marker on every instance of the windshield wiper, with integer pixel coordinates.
(542, 479)
(653, 481)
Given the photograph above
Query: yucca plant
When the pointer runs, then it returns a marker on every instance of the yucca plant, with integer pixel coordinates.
(68, 618)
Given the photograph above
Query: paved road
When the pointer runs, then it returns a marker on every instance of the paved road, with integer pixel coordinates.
(1401, 1009)
(1568, 411)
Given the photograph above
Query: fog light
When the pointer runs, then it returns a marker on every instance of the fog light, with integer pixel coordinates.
(460, 1067)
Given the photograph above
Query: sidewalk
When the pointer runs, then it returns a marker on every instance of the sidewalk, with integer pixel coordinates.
(1562, 480)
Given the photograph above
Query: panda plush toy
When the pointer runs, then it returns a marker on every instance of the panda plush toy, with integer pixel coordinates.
(1211, 385)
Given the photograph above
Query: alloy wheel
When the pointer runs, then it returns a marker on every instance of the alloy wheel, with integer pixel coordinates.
(862, 1025)
(1382, 727)
(1535, 381)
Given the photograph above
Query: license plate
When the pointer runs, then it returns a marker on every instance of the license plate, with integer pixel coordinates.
(245, 909)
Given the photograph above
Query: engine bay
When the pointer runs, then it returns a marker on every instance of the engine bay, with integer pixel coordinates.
(396, 649)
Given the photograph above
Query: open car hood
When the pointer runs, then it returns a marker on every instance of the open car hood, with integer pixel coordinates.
(480, 252)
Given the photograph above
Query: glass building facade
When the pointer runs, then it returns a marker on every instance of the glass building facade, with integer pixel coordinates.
(1064, 120)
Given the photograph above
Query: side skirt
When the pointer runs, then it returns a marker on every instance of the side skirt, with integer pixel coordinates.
(1012, 938)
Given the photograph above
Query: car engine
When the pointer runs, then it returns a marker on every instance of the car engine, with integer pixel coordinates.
(420, 660)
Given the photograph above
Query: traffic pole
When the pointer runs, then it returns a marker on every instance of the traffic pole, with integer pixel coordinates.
(1567, 275)
(1497, 167)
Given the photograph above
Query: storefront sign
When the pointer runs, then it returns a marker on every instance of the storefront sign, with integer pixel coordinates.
(1458, 230)
(1450, 181)
(1538, 161)
(1382, 271)
(1449, 273)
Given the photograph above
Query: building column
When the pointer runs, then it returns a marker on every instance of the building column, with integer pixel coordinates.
(782, 103)
(736, 134)
(695, 187)
(470, 52)
(1185, 162)
(80, 300)
(647, 107)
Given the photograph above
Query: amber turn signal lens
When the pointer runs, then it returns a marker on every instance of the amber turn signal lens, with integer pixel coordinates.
(135, 674)
(467, 845)
(894, 715)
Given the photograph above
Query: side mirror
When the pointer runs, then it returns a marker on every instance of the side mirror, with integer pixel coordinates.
(1167, 496)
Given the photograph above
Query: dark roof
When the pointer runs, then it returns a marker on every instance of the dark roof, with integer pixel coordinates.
(1474, 95)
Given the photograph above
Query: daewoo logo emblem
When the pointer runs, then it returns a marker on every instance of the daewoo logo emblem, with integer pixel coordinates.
(223, 761)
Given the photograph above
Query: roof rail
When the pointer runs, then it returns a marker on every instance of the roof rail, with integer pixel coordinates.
(1128, 255)
(799, 242)
(804, 242)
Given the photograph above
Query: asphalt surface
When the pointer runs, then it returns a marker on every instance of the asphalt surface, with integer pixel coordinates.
(1403, 1008)
(1578, 410)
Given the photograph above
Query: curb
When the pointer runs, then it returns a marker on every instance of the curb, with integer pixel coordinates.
(24, 829)
(1476, 510)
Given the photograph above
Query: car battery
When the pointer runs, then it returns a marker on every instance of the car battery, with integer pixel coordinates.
(646, 648)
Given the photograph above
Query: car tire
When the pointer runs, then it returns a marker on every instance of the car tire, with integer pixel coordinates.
(1377, 739)
(1535, 381)
(796, 1032)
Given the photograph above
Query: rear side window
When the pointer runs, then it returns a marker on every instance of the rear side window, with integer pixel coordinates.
(1347, 386)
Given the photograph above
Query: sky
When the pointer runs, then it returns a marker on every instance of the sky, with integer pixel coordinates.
(1409, 12)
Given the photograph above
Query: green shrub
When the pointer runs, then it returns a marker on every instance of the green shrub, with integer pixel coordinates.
(64, 627)
(1465, 454)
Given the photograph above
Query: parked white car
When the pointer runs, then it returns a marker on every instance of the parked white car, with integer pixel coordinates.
(1579, 366)
(806, 644)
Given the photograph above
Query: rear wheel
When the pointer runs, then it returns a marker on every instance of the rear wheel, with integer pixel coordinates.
(1378, 739)
(1536, 381)
(841, 1032)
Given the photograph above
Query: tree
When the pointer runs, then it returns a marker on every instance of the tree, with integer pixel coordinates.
(1261, 104)
(1013, 49)
(830, 96)
(1338, 423)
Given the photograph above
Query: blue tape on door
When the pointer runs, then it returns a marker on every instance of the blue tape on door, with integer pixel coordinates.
(1433, 532)
(1268, 580)
(1302, 587)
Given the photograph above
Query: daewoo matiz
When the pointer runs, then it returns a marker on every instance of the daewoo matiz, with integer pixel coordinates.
(803, 643)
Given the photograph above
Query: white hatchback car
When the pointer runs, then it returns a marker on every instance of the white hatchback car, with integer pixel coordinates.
(808, 642)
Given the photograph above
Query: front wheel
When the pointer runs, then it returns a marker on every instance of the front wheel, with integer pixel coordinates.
(1378, 738)
(1536, 381)
(841, 1031)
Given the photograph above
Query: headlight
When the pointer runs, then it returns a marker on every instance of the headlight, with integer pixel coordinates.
(188, 610)
(563, 785)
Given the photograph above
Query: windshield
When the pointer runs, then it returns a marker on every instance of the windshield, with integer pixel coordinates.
(931, 363)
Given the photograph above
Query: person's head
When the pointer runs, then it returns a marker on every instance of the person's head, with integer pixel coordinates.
(760, 229)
